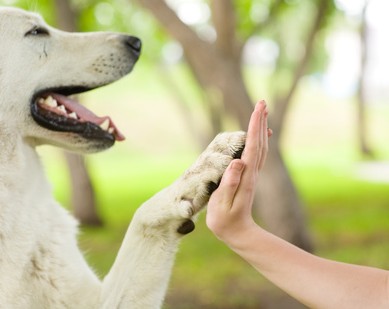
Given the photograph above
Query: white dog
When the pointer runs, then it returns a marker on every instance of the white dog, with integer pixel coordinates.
(40, 263)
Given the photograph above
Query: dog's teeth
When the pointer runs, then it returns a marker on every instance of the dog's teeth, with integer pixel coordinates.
(61, 108)
(73, 115)
(111, 130)
(50, 102)
(105, 125)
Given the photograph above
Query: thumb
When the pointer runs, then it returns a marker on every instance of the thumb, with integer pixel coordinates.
(229, 184)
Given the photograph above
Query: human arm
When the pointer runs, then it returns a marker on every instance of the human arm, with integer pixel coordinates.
(314, 281)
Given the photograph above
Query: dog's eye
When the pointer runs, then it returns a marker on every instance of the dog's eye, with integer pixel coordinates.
(37, 31)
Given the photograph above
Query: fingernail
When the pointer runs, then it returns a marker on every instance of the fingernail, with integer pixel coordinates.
(259, 103)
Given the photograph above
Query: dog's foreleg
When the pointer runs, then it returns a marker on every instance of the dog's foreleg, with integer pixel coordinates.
(140, 275)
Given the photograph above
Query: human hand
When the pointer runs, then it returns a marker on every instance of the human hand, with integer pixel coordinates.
(230, 206)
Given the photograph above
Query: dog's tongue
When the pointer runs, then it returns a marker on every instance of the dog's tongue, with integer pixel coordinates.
(85, 114)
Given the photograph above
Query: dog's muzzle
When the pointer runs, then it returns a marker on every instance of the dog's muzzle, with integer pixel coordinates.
(54, 110)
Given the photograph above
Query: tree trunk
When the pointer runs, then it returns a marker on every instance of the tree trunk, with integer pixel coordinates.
(83, 197)
(218, 66)
(279, 203)
(361, 95)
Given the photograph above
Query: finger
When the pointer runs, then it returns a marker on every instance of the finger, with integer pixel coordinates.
(252, 156)
(261, 138)
(265, 143)
(250, 153)
(229, 184)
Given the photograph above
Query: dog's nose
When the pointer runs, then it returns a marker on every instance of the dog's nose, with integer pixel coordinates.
(134, 44)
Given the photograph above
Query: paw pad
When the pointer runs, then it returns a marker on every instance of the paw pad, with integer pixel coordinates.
(186, 227)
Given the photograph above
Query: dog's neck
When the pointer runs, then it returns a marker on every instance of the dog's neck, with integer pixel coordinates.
(25, 197)
(20, 168)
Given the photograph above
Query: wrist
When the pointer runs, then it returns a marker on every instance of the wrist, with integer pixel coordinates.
(242, 237)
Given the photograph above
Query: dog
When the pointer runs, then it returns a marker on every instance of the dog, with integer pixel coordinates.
(41, 265)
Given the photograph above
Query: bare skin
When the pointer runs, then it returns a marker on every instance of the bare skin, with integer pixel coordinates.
(314, 281)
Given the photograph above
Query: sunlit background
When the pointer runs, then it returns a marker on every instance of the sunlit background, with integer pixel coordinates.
(164, 113)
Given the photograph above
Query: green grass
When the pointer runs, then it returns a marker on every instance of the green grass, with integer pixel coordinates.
(347, 216)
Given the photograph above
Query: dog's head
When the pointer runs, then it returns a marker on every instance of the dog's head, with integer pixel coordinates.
(41, 67)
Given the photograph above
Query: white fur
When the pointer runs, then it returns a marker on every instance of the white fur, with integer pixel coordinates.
(40, 263)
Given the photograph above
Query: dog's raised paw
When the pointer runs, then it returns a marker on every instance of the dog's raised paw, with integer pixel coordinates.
(175, 208)
(203, 177)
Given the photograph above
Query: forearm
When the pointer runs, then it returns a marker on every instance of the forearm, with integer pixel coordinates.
(316, 282)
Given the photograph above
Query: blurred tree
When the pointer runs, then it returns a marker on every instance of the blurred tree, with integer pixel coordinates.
(83, 196)
(217, 66)
(361, 95)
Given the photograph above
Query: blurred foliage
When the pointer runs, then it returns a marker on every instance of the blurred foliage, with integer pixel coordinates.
(43, 7)
(283, 22)
(95, 15)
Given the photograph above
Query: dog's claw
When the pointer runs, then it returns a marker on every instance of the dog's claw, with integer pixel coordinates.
(238, 154)
(212, 186)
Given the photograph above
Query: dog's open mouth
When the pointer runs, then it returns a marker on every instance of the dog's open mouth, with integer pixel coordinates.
(62, 113)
